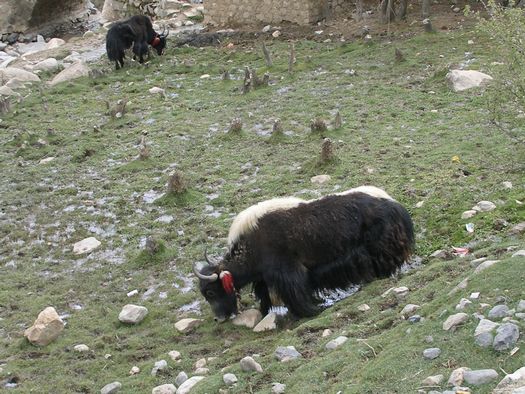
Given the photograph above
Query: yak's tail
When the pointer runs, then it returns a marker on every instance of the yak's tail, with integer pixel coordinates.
(119, 38)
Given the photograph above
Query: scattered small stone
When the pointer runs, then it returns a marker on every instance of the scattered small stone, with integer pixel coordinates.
(181, 378)
(468, 214)
(160, 365)
(249, 364)
(335, 343)
(415, 319)
(506, 337)
(249, 318)
(433, 380)
(266, 29)
(475, 295)
(132, 314)
(499, 312)
(200, 363)
(287, 353)
(320, 179)
(81, 348)
(466, 79)
(484, 206)
(188, 324)
(363, 308)
(157, 90)
(463, 303)
(132, 293)
(202, 371)
(86, 245)
(111, 388)
(401, 292)
(507, 185)
(268, 323)
(409, 309)
(229, 379)
(134, 370)
(454, 320)
(521, 306)
(185, 387)
(517, 229)
(486, 264)
(431, 353)
(326, 333)
(174, 355)
(276, 34)
(456, 377)
(278, 388)
(46, 328)
(164, 389)
(480, 376)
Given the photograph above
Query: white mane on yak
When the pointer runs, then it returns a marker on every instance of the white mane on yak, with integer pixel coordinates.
(247, 220)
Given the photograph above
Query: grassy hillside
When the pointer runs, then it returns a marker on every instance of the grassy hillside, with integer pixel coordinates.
(402, 127)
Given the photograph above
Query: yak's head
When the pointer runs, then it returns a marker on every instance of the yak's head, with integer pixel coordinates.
(159, 41)
(216, 285)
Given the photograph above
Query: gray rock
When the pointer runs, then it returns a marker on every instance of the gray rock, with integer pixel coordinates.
(164, 389)
(229, 379)
(249, 318)
(50, 64)
(132, 314)
(519, 253)
(202, 371)
(484, 339)
(518, 229)
(278, 388)
(335, 343)
(520, 315)
(454, 320)
(77, 70)
(431, 353)
(415, 319)
(188, 384)
(441, 254)
(249, 364)
(185, 325)
(484, 326)
(506, 337)
(514, 381)
(287, 353)
(181, 378)
(480, 376)
(268, 323)
(463, 303)
(521, 306)
(498, 312)
(159, 366)
(468, 214)
(486, 264)
(86, 245)
(433, 380)
(111, 388)
(429, 339)
(409, 309)
(456, 377)
(466, 79)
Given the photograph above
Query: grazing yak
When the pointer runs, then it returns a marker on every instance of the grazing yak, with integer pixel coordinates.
(291, 249)
(137, 31)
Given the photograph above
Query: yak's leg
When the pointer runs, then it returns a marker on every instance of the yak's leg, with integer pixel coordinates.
(294, 288)
(261, 292)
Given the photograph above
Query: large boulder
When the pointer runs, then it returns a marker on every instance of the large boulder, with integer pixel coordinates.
(9, 73)
(76, 70)
(466, 79)
(47, 328)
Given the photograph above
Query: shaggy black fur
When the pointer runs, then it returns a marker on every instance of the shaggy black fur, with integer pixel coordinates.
(137, 31)
(328, 243)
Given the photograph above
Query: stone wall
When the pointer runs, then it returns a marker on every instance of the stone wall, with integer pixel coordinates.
(233, 13)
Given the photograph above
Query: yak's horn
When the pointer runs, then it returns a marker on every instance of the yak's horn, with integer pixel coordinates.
(213, 263)
(210, 278)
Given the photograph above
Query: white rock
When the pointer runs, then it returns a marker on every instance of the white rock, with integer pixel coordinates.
(463, 303)
(507, 185)
(160, 365)
(249, 364)
(111, 388)
(486, 264)
(76, 70)
(18, 74)
(335, 343)
(519, 253)
(276, 34)
(409, 309)
(475, 295)
(248, 318)
(7, 91)
(229, 379)
(200, 363)
(202, 371)
(484, 206)
(205, 76)
(401, 292)
(81, 348)
(157, 90)
(55, 43)
(278, 388)
(50, 64)
(466, 79)
(510, 382)
(326, 333)
(134, 370)
(454, 320)
(174, 355)
(46, 328)
(188, 384)
(456, 377)
(185, 325)
(266, 29)
(484, 326)
(132, 314)
(320, 179)
(164, 389)
(181, 378)
(86, 245)
(468, 214)
(268, 323)
(46, 160)
(132, 293)
(363, 308)
(433, 380)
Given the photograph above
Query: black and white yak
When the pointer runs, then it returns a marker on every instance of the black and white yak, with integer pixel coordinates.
(291, 249)
(137, 31)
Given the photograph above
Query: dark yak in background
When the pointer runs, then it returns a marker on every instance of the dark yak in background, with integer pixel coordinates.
(137, 31)
(291, 249)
